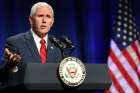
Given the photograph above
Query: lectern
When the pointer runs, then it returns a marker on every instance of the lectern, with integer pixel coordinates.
(36, 76)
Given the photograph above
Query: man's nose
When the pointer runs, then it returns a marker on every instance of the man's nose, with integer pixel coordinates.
(44, 20)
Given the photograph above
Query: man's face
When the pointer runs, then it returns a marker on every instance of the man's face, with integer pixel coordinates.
(42, 20)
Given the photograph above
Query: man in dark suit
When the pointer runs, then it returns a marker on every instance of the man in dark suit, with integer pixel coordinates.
(31, 46)
(34, 45)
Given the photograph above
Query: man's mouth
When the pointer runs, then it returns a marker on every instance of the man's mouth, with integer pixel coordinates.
(43, 26)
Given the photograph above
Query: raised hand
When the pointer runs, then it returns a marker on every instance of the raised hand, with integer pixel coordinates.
(13, 58)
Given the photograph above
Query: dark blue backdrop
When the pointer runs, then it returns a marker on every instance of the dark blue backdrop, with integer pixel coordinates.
(86, 22)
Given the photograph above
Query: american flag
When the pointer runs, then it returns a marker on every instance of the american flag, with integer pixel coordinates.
(124, 57)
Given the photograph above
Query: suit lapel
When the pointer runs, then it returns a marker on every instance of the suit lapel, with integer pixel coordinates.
(32, 47)
(50, 49)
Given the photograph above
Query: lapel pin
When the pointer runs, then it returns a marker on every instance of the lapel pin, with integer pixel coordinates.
(51, 47)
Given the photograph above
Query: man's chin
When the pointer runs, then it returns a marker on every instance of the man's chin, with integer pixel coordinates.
(44, 31)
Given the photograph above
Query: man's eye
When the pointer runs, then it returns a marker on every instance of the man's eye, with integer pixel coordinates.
(48, 16)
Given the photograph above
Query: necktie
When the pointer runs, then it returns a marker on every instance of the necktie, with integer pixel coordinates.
(43, 51)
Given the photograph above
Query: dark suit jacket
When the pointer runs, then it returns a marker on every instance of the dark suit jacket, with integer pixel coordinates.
(24, 44)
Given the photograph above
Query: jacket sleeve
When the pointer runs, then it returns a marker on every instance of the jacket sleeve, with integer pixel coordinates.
(5, 63)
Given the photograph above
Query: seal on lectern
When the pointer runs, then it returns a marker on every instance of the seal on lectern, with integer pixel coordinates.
(72, 71)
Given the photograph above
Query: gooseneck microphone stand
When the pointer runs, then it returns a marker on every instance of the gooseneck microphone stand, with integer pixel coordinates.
(63, 43)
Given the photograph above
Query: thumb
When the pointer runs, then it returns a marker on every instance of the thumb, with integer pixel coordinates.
(7, 52)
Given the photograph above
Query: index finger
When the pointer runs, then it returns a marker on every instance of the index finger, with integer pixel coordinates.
(8, 52)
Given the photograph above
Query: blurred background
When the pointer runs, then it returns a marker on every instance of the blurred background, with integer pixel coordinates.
(87, 22)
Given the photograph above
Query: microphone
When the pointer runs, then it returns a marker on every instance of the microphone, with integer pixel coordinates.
(57, 42)
(67, 42)
(63, 43)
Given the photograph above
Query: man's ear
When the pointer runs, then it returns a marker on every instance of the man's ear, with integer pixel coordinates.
(30, 20)
(52, 22)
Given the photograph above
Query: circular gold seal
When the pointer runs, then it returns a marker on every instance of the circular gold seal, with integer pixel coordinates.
(72, 71)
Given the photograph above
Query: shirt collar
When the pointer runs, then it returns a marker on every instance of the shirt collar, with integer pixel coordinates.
(37, 38)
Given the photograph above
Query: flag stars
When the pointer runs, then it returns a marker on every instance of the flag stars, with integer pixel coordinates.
(126, 1)
(119, 11)
(118, 29)
(125, 19)
(130, 15)
(130, 27)
(124, 37)
(130, 33)
(134, 24)
(119, 23)
(130, 39)
(124, 43)
(124, 31)
(120, 5)
(135, 30)
(126, 7)
(119, 17)
(135, 36)
(137, 33)
(125, 25)
(130, 21)
(118, 35)
(133, 18)
(126, 13)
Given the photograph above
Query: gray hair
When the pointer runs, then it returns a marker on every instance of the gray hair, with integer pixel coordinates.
(39, 4)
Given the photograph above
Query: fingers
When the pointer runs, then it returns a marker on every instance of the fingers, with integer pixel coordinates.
(7, 52)
(14, 58)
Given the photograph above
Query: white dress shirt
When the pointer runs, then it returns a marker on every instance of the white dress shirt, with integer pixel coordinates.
(37, 40)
